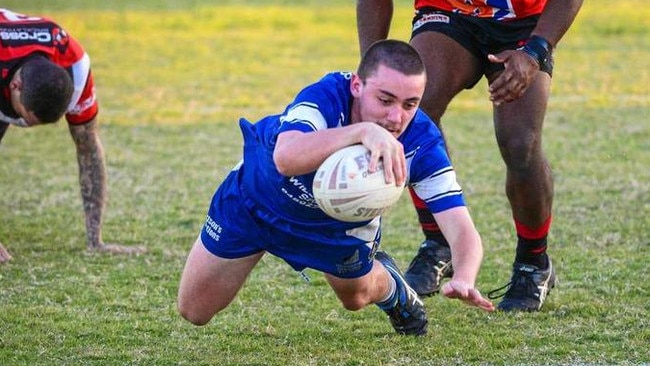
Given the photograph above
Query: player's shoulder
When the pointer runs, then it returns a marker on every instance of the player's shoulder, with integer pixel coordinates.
(331, 92)
(23, 34)
(421, 135)
(15, 18)
(337, 80)
(422, 126)
(337, 76)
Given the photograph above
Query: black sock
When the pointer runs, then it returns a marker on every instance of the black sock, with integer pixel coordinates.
(436, 236)
(532, 251)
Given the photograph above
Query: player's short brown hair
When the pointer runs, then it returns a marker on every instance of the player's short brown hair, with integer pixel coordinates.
(395, 54)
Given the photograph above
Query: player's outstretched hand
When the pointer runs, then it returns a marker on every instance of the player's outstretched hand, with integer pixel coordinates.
(4, 254)
(118, 249)
(467, 294)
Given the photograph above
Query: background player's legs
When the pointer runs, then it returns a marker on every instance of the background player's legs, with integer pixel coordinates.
(529, 187)
(529, 183)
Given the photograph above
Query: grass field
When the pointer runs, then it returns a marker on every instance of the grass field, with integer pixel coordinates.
(173, 78)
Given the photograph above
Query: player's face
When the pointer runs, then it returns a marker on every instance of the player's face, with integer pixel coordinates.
(15, 87)
(388, 98)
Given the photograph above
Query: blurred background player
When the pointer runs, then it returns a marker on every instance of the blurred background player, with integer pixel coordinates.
(511, 44)
(46, 74)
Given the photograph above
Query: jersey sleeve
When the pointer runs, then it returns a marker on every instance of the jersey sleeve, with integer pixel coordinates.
(431, 174)
(319, 106)
(84, 106)
(437, 185)
(303, 116)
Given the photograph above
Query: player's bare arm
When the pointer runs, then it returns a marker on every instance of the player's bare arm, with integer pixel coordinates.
(92, 181)
(92, 178)
(298, 153)
(556, 20)
(521, 67)
(4, 254)
(467, 254)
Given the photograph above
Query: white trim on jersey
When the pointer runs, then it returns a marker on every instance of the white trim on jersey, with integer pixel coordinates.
(238, 165)
(307, 113)
(80, 72)
(438, 185)
(368, 233)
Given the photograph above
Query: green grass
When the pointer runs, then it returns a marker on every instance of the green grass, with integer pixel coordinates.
(173, 77)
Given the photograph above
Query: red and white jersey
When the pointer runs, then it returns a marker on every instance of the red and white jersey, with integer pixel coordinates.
(22, 36)
(496, 9)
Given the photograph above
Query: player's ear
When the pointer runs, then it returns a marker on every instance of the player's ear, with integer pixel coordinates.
(16, 81)
(356, 84)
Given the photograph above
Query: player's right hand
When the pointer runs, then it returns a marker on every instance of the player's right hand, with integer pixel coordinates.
(514, 80)
(468, 294)
(383, 145)
(4, 254)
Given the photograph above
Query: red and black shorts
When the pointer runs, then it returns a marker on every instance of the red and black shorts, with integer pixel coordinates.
(480, 36)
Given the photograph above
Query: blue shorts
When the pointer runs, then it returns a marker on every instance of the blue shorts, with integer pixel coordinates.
(237, 227)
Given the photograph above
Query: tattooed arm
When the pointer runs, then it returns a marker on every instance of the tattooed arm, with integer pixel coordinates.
(4, 254)
(92, 180)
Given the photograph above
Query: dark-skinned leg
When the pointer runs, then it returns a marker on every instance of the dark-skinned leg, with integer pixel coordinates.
(529, 188)
(450, 69)
(518, 128)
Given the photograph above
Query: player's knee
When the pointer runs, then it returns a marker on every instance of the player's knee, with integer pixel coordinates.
(193, 315)
(353, 306)
(354, 303)
(521, 154)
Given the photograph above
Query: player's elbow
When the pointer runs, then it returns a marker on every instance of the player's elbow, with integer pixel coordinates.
(282, 166)
(288, 154)
(284, 163)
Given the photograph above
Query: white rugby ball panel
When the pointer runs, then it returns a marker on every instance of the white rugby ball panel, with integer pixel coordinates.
(345, 190)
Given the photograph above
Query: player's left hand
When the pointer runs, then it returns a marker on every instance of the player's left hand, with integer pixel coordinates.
(468, 294)
(520, 70)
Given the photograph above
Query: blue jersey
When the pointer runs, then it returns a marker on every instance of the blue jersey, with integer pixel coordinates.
(256, 208)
